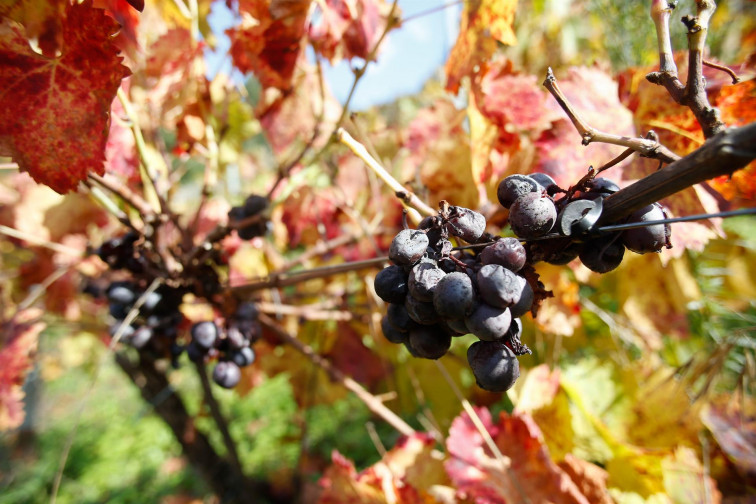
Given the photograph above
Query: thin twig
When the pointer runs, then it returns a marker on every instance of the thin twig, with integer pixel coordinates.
(371, 401)
(407, 197)
(218, 418)
(285, 279)
(118, 188)
(647, 147)
(729, 71)
(55, 247)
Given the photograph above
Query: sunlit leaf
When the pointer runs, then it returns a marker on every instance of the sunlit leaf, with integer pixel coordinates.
(58, 125)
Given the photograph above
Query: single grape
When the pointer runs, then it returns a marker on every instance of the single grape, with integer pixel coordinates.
(498, 286)
(246, 311)
(507, 252)
(204, 334)
(391, 333)
(254, 204)
(494, 365)
(391, 284)
(603, 254)
(454, 295)
(227, 374)
(429, 342)
(151, 302)
(243, 357)
(543, 179)
(399, 318)
(126, 332)
(195, 352)
(488, 322)
(457, 326)
(523, 306)
(421, 311)
(649, 238)
(124, 293)
(141, 337)
(466, 224)
(514, 186)
(423, 280)
(408, 246)
(601, 185)
(532, 215)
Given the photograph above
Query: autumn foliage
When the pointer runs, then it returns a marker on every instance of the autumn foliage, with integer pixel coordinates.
(113, 118)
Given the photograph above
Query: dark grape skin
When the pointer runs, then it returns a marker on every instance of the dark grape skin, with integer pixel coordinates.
(423, 279)
(507, 252)
(227, 374)
(399, 318)
(454, 296)
(494, 365)
(408, 246)
(527, 296)
(243, 357)
(429, 342)
(391, 284)
(498, 286)
(489, 323)
(543, 179)
(603, 254)
(141, 337)
(420, 311)
(466, 224)
(204, 334)
(391, 333)
(532, 215)
(124, 293)
(650, 238)
(514, 186)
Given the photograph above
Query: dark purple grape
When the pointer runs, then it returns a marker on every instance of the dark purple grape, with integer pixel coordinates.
(253, 230)
(151, 302)
(243, 357)
(498, 286)
(532, 215)
(119, 311)
(246, 311)
(603, 254)
(523, 306)
(254, 204)
(543, 179)
(494, 365)
(488, 322)
(195, 352)
(514, 186)
(235, 338)
(408, 246)
(566, 254)
(457, 326)
(391, 333)
(466, 224)
(226, 374)
(399, 318)
(204, 334)
(649, 238)
(507, 252)
(421, 311)
(454, 296)
(391, 284)
(602, 185)
(126, 333)
(429, 342)
(434, 229)
(423, 279)
(124, 293)
(141, 337)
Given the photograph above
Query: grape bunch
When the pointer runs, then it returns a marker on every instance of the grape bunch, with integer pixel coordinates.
(231, 345)
(157, 327)
(559, 229)
(435, 293)
(250, 217)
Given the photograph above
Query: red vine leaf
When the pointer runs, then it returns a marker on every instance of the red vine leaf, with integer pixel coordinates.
(268, 39)
(527, 469)
(17, 348)
(55, 123)
(483, 24)
(348, 28)
(42, 21)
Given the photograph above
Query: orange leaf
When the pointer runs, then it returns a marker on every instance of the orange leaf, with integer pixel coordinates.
(268, 40)
(54, 118)
(42, 20)
(527, 470)
(483, 24)
(20, 337)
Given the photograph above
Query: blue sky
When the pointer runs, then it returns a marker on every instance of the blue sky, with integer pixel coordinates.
(409, 56)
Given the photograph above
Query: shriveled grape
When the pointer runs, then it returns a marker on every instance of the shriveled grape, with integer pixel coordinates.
(454, 295)
(494, 365)
(507, 252)
(488, 322)
(532, 215)
(408, 246)
(514, 186)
